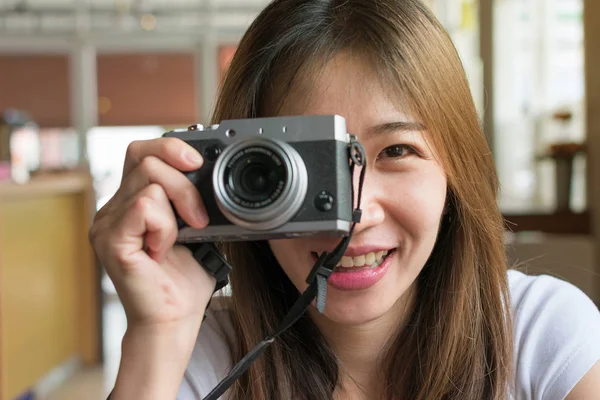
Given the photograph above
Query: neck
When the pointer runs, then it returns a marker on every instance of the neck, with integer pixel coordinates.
(358, 347)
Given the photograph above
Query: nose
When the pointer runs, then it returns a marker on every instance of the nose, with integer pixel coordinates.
(373, 212)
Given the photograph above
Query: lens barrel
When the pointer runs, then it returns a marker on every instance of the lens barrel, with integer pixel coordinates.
(260, 183)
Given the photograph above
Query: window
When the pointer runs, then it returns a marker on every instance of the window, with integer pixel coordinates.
(539, 71)
(106, 152)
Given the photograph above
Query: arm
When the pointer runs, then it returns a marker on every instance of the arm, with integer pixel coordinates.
(588, 387)
(153, 362)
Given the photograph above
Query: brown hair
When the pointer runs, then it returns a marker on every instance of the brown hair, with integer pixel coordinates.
(457, 343)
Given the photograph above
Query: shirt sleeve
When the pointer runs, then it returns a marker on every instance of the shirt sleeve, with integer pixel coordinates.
(211, 358)
(557, 337)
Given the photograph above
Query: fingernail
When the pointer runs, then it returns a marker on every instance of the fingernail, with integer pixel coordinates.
(192, 157)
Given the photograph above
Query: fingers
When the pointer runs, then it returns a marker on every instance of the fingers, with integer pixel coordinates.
(179, 189)
(145, 227)
(141, 209)
(172, 151)
(159, 221)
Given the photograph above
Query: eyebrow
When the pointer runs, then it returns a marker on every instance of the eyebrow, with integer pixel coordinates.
(403, 126)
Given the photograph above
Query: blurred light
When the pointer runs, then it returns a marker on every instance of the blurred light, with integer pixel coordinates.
(104, 105)
(122, 6)
(148, 22)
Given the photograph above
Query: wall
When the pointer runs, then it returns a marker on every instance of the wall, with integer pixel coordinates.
(149, 88)
(568, 257)
(146, 89)
(38, 84)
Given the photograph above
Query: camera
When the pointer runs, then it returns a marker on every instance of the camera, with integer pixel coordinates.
(271, 178)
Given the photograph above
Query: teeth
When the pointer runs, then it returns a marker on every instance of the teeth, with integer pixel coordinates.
(365, 259)
(346, 262)
(358, 260)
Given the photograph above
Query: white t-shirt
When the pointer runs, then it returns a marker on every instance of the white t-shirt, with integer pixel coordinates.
(556, 333)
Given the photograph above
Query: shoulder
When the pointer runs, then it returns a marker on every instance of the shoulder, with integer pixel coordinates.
(556, 335)
(211, 359)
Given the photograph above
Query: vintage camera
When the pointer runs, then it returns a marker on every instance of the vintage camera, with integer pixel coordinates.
(270, 178)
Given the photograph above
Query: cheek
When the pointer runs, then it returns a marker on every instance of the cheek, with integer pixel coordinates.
(421, 199)
(293, 256)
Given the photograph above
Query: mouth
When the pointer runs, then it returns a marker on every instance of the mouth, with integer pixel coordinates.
(361, 262)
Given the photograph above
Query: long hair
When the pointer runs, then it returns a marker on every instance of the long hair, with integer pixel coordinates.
(457, 343)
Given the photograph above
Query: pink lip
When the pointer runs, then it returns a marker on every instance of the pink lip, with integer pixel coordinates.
(359, 280)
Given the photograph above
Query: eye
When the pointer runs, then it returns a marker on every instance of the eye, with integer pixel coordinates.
(397, 151)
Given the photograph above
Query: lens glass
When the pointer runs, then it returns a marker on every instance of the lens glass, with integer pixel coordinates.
(255, 177)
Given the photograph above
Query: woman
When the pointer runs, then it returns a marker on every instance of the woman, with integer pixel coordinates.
(444, 320)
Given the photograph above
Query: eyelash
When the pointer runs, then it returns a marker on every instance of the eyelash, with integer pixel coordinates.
(404, 147)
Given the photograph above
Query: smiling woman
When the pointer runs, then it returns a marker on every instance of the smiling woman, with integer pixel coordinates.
(421, 306)
(434, 316)
(403, 197)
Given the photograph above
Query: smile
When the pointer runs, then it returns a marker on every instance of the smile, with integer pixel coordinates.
(354, 263)
(365, 271)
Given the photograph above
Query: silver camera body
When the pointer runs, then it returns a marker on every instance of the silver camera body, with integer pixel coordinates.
(271, 178)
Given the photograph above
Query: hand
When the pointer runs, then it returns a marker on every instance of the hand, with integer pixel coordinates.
(133, 235)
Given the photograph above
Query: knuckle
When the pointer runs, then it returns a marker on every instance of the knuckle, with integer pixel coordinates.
(133, 149)
(167, 145)
(149, 164)
(141, 204)
(154, 191)
(182, 195)
(120, 257)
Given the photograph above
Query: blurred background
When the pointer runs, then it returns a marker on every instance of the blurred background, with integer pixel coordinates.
(81, 79)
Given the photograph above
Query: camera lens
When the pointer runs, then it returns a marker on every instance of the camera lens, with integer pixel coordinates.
(260, 183)
(255, 177)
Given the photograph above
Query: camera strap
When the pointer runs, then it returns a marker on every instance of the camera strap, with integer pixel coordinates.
(317, 280)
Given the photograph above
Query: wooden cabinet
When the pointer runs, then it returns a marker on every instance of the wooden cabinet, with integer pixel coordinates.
(49, 300)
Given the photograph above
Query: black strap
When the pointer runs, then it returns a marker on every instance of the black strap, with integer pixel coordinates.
(209, 257)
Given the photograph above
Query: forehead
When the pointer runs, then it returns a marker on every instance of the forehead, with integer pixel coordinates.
(346, 85)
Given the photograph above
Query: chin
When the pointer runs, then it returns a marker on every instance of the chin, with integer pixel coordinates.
(351, 312)
(364, 306)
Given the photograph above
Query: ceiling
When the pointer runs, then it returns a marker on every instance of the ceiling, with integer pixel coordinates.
(60, 17)
(111, 4)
